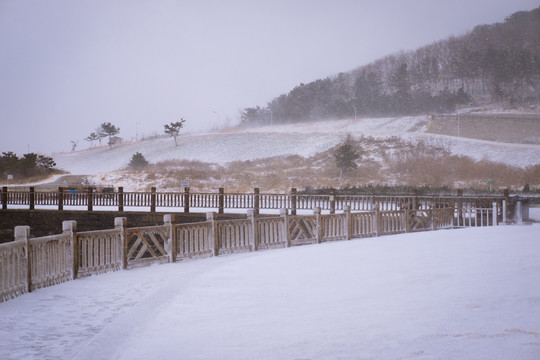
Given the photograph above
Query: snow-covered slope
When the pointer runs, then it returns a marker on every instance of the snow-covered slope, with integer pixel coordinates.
(302, 139)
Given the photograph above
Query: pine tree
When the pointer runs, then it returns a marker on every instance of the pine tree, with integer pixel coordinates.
(173, 129)
(346, 157)
(109, 130)
(138, 161)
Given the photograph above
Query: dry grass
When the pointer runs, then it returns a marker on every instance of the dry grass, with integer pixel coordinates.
(384, 162)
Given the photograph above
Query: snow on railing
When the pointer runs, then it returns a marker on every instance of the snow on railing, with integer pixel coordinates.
(193, 241)
(99, 252)
(30, 263)
(14, 265)
(51, 260)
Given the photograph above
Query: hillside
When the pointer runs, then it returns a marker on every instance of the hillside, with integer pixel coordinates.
(300, 155)
(492, 64)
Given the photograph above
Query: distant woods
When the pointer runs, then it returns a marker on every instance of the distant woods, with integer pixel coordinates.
(28, 165)
(497, 63)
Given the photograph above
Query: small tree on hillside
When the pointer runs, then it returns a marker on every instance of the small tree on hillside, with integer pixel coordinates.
(109, 130)
(346, 157)
(138, 161)
(91, 138)
(173, 129)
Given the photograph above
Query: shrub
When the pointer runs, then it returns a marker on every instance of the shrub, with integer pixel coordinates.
(138, 161)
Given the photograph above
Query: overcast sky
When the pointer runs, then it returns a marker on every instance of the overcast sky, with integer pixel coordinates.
(66, 66)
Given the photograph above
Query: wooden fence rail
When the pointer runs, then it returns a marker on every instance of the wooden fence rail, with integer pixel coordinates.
(28, 263)
(221, 201)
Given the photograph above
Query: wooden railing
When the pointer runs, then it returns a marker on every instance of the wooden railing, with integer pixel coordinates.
(221, 201)
(30, 263)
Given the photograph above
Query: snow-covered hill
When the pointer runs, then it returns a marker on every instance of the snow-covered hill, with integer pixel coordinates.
(302, 139)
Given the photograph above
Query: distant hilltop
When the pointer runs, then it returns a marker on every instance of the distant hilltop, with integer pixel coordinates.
(491, 65)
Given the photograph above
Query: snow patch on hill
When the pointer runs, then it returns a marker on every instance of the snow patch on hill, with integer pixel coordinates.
(304, 139)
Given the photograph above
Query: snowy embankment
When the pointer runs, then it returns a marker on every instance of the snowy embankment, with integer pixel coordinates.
(457, 294)
(304, 139)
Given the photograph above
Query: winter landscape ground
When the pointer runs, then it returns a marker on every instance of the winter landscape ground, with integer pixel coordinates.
(451, 294)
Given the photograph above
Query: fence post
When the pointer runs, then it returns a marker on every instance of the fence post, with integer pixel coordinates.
(4, 197)
(69, 227)
(332, 201)
(22, 233)
(494, 215)
(377, 222)
(518, 215)
(168, 220)
(32, 197)
(254, 236)
(221, 196)
(120, 224)
(90, 195)
(256, 201)
(213, 237)
(153, 199)
(186, 199)
(460, 208)
(285, 216)
(319, 228)
(505, 203)
(60, 198)
(408, 217)
(293, 201)
(348, 223)
(120, 198)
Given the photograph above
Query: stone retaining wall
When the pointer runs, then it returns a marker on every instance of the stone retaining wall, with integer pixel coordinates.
(523, 129)
(49, 222)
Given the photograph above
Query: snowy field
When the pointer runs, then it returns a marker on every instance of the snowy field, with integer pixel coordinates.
(304, 139)
(454, 294)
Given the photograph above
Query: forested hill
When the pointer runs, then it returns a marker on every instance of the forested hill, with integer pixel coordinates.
(498, 63)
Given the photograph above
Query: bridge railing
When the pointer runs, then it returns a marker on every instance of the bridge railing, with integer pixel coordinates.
(29, 263)
(221, 201)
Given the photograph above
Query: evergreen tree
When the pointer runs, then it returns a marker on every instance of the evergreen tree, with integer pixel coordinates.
(173, 129)
(108, 129)
(138, 161)
(346, 157)
(91, 138)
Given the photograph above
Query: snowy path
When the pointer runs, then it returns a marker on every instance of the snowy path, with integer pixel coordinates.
(460, 294)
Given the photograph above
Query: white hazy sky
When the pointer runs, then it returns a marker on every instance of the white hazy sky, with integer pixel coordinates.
(67, 66)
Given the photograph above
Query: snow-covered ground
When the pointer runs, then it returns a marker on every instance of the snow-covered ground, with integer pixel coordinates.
(302, 139)
(454, 294)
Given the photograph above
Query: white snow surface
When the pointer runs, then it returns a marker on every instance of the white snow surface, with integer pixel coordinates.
(452, 294)
(303, 139)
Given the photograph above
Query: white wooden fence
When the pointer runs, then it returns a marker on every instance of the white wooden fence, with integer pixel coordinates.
(29, 263)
